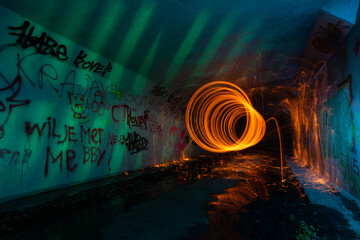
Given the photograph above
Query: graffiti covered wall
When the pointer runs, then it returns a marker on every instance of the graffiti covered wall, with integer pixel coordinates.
(339, 115)
(68, 115)
(328, 32)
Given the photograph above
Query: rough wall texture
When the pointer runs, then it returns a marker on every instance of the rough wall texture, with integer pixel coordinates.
(339, 115)
(68, 115)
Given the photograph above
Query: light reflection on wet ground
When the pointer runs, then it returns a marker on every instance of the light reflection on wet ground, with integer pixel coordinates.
(219, 197)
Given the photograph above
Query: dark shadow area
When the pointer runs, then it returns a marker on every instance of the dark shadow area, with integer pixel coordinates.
(227, 196)
(263, 207)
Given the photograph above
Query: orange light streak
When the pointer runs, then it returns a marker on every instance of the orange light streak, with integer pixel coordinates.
(281, 156)
(213, 112)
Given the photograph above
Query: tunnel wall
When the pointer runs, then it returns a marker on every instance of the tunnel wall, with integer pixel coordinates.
(68, 115)
(339, 115)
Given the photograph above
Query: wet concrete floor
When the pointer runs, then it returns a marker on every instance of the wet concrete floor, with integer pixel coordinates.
(229, 196)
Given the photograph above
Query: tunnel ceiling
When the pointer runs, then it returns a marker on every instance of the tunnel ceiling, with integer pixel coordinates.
(181, 41)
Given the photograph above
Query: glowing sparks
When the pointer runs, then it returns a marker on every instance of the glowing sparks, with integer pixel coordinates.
(213, 114)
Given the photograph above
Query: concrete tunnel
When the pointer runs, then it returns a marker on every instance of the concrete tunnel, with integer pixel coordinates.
(179, 119)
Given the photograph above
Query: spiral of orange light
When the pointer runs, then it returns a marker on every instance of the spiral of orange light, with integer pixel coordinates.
(213, 112)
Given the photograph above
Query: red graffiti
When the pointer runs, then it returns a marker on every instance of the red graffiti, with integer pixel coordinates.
(181, 144)
(69, 156)
(172, 130)
(328, 37)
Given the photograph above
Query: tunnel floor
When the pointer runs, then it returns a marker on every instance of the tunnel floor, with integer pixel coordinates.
(215, 197)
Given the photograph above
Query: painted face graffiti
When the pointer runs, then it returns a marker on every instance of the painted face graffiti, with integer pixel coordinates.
(79, 106)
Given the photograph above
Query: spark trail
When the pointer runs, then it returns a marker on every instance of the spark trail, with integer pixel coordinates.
(213, 113)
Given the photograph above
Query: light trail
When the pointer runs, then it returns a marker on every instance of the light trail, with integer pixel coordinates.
(213, 113)
(281, 155)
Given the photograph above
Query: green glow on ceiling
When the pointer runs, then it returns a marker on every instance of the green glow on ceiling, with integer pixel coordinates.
(146, 65)
(215, 42)
(137, 28)
(106, 25)
(186, 46)
(49, 9)
(74, 30)
(247, 35)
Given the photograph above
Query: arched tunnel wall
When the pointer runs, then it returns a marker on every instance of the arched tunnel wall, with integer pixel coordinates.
(339, 115)
(68, 115)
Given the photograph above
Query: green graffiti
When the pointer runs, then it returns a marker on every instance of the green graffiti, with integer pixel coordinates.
(339, 135)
